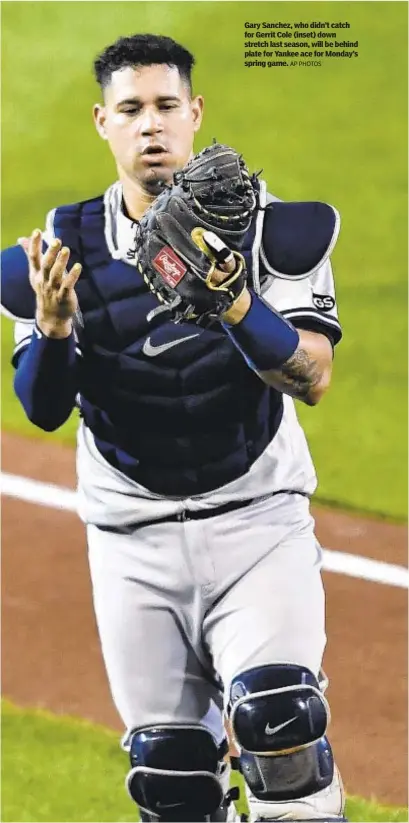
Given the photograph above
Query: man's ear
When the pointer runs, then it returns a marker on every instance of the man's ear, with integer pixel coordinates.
(197, 111)
(99, 116)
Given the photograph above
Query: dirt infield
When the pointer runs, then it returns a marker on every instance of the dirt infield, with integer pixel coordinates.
(51, 656)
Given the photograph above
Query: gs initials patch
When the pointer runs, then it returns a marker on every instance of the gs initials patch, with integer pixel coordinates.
(323, 302)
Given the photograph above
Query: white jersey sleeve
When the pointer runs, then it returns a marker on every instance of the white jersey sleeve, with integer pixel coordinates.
(309, 303)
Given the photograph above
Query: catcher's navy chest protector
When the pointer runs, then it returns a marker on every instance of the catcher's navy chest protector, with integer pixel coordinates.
(180, 416)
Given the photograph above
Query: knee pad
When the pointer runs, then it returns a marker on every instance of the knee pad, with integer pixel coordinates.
(279, 717)
(277, 709)
(174, 774)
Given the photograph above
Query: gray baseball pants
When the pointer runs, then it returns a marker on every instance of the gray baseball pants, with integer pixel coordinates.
(183, 607)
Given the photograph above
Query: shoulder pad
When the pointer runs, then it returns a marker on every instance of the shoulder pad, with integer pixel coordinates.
(298, 238)
(17, 296)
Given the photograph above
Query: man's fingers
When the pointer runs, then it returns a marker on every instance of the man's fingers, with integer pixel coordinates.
(226, 262)
(70, 279)
(50, 258)
(59, 267)
(34, 249)
(225, 258)
(52, 264)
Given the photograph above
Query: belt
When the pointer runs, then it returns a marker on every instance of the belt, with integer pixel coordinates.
(186, 514)
(203, 514)
(181, 517)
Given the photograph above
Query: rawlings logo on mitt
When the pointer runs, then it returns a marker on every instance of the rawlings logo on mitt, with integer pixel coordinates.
(168, 265)
(191, 227)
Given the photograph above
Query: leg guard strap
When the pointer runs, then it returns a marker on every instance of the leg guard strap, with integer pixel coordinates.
(289, 776)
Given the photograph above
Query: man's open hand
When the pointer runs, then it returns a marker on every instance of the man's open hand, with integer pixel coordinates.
(53, 285)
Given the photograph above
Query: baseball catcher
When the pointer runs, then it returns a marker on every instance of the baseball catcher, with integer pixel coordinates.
(194, 474)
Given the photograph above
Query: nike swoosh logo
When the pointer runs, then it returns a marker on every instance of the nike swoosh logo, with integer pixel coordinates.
(272, 730)
(153, 351)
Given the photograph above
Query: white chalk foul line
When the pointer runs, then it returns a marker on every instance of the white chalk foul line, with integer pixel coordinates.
(352, 565)
(34, 491)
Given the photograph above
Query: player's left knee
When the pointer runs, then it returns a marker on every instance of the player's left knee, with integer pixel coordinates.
(279, 718)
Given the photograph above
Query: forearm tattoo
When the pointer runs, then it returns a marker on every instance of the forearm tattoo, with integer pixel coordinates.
(300, 373)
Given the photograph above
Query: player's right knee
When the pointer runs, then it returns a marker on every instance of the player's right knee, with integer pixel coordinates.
(277, 709)
(174, 774)
(279, 718)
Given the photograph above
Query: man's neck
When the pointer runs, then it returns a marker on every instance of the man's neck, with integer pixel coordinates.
(136, 199)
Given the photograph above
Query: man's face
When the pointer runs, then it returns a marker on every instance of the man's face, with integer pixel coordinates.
(149, 121)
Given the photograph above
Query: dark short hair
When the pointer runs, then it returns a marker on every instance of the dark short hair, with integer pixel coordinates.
(143, 50)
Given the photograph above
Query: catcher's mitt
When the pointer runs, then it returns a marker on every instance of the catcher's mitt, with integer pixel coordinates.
(177, 250)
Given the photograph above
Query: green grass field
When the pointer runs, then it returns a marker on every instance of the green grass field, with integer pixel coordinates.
(337, 133)
(64, 769)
